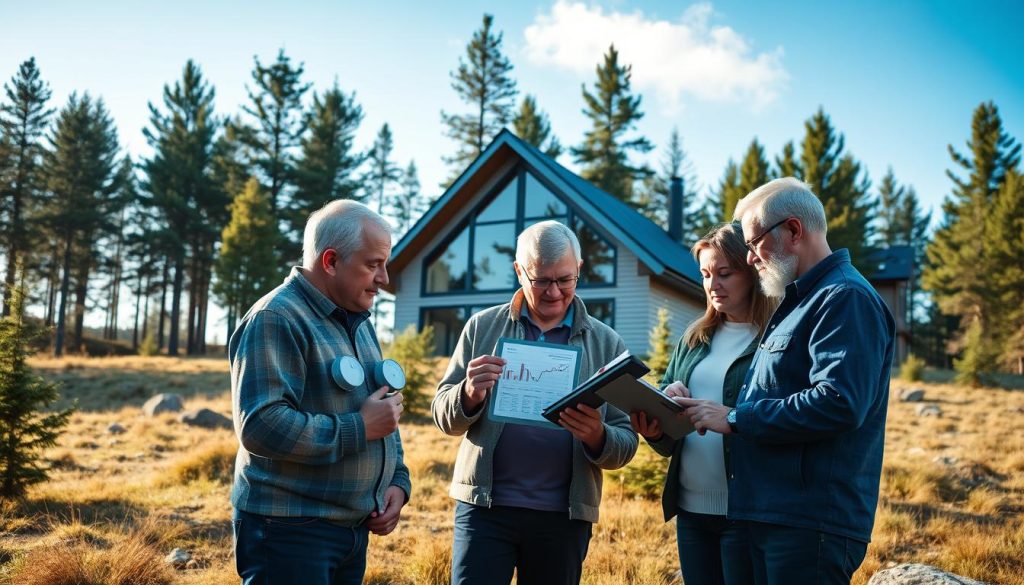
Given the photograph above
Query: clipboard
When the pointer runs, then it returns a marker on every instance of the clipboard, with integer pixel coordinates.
(545, 372)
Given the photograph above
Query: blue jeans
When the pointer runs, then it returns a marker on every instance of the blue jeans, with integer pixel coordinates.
(784, 555)
(713, 550)
(272, 550)
(543, 547)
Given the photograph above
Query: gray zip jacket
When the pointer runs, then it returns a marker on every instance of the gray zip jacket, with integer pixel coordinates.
(473, 476)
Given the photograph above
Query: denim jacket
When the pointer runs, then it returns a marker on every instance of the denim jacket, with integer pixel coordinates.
(811, 412)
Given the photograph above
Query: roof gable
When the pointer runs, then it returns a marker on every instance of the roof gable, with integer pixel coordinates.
(651, 244)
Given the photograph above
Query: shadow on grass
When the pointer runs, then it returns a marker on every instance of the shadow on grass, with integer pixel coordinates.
(926, 512)
(44, 512)
(103, 389)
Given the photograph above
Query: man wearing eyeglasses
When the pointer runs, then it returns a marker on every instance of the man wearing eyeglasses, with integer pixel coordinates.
(810, 418)
(527, 496)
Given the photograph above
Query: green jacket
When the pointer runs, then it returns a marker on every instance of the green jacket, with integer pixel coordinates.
(684, 360)
(473, 474)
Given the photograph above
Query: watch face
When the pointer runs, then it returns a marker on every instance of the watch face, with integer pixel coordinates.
(347, 372)
(390, 374)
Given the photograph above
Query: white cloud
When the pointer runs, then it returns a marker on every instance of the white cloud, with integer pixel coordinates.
(690, 57)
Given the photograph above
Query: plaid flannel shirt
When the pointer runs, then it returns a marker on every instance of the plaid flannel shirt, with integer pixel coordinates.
(303, 448)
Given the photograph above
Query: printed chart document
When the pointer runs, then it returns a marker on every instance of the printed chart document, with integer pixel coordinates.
(535, 375)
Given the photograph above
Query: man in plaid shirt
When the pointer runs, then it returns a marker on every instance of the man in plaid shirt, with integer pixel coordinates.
(320, 462)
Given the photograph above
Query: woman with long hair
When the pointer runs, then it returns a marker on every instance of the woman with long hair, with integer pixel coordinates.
(710, 362)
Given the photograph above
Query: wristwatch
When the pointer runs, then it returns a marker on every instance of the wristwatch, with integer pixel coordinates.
(731, 419)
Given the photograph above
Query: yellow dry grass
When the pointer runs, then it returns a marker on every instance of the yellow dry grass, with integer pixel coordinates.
(952, 491)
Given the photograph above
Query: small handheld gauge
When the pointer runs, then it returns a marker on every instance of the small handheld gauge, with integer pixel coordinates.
(389, 373)
(348, 372)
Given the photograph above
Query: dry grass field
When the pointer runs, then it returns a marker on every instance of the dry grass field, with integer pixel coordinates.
(116, 505)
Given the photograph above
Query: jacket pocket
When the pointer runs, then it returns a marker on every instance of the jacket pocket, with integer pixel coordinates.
(769, 362)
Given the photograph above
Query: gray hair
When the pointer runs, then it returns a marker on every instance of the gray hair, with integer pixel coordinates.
(546, 243)
(782, 198)
(338, 225)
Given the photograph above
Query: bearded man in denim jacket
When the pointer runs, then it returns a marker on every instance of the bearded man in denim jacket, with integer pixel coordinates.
(810, 420)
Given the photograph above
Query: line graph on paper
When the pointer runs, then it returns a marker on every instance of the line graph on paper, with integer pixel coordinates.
(534, 376)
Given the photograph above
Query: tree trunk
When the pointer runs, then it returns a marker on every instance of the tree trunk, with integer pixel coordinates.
(163, 305)
(175, 324)
(58, 343)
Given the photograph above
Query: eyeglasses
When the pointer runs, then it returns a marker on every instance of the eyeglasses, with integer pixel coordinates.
(564, 283)
(753, 241)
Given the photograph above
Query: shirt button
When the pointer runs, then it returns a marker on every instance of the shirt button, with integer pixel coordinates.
(743, 387)
(732, 476)
(772, 327)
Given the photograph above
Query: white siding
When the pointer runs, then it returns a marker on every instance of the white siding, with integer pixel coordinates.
(682, 310)
(631, 295)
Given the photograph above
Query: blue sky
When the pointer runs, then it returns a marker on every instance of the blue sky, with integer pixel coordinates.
(899, 79)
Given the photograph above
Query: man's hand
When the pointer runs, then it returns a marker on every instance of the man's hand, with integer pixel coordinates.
(481, 375)
(586, 425)
(380, 413)
(384, 521)
(705, 415)
(649, 429)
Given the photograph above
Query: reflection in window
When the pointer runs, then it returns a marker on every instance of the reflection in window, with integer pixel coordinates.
(503, 208)
(602, 310)
(448, 271)
(598, 255)
(493, 253)
(540, 202)
(447, 323)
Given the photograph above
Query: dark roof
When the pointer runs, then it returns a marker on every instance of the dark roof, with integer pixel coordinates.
(651, 244)
(892, 263)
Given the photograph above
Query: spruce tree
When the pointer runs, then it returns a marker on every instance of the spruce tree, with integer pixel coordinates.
(613, 111)
(81, 176)
(383, 174)
(660, 351)
(326, 169)
(408, 204)
(1004, 233)
(180, 185)
(277, 124)
(532, 126)
(727, 195)
(836, 178)
(246, 268)
(654, 198)
(754, 171)
(28, 427)
(23, 121)
(786, 164)
(484, 82)
(960, 256)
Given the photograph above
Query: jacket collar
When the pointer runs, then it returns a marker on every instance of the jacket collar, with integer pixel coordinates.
(809, 280)
(577, 311)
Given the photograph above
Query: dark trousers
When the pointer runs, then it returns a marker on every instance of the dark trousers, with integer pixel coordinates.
(784, 555)
(713, 550)
(272, 550)
(543, 547)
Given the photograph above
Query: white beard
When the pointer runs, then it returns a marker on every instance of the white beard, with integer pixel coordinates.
(777, 274)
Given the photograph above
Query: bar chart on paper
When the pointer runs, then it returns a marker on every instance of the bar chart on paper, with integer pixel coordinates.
(534, 376)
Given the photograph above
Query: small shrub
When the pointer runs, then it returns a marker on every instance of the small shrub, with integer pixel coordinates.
(431, 564)
(644, 476)
(912, 368)
(215, 462)
(413, 351)
(149, 347)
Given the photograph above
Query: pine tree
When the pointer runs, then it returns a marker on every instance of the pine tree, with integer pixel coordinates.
(409, 203)
(180, 185)
(23, 121)
(654, 198)
(383, 174)
(613, 112)
(786, 164)
(754, 171)
(836, 179)
(326, 169)
(246, 267)
(277, 123)
(1004, 233)
(960, 256)
(533, 127)
(80, 168)
(727, 195)
(29, 426)
(661, 347)
(484, 82)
